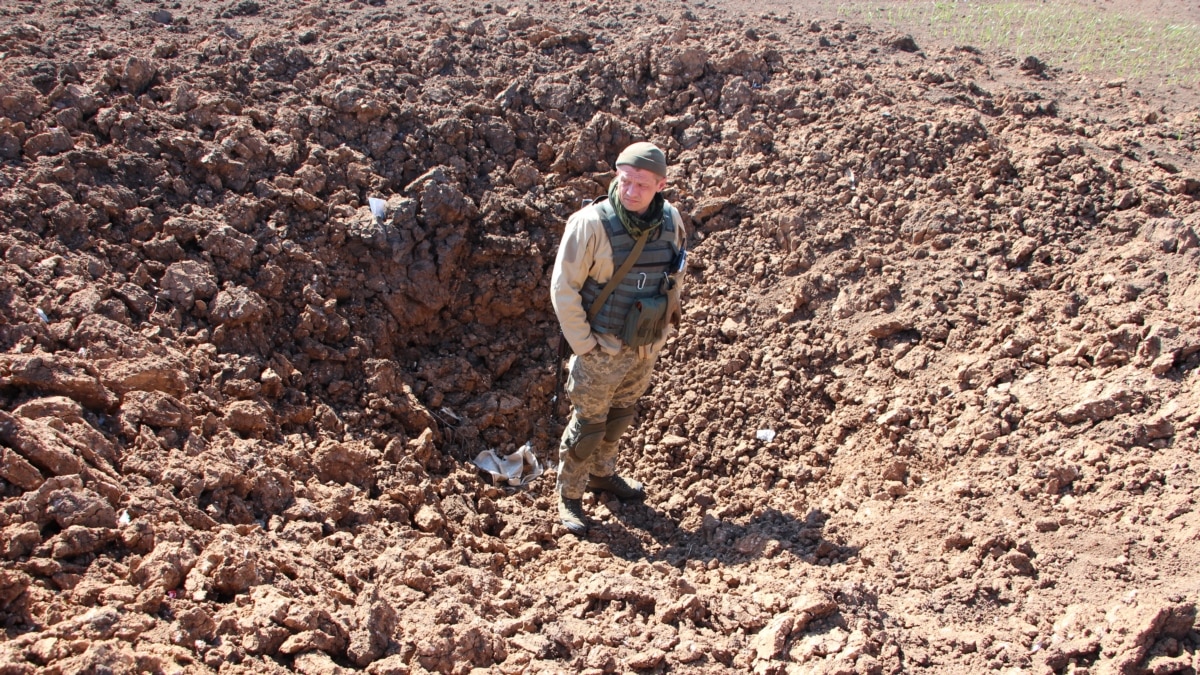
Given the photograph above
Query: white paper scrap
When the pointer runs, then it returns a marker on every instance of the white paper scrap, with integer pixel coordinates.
(516, 469)
(378, 207)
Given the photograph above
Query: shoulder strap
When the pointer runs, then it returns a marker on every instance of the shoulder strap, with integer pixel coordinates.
(618, 276)
(608, 215)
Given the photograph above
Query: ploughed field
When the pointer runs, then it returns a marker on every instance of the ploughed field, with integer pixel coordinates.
(933, 406)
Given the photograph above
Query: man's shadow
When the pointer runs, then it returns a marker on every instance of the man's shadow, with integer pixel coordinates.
(726, 540)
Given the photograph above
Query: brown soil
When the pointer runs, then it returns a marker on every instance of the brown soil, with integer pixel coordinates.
(934, 405)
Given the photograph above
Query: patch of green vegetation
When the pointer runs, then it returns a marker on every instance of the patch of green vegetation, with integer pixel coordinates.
(1106, 43)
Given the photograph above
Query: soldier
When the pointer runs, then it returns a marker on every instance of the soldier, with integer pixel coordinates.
(615, 291)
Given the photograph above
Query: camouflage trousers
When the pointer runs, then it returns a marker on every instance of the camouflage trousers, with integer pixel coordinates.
(603, 388)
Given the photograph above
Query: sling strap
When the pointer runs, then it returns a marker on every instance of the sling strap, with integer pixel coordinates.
(618, 276)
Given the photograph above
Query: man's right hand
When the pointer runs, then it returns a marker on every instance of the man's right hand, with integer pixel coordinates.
(609, 343)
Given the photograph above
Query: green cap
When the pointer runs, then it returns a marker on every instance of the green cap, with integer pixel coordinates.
(646, 156)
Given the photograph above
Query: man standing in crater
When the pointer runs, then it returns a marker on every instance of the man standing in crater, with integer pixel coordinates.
(615, 289)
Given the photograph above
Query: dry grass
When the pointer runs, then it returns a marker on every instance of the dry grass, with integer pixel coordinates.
(1103, 43)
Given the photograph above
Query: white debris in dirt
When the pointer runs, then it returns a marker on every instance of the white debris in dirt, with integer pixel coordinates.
(516, 469)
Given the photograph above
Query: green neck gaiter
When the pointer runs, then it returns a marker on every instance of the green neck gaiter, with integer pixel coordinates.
(634, 224)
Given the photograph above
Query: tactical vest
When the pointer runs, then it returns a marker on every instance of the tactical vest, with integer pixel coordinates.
(644, 277)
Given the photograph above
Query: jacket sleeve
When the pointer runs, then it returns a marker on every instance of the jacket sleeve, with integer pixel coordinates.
(575, 259)
(680, 229)
(675, 295)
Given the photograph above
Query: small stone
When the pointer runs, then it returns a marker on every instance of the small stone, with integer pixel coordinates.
(428, 519)
(673, 441)
(647, 660)
(730, 329)
(1046, 524)
(1019, 562)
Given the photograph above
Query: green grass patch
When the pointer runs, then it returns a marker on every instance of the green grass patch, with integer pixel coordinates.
(1103, 43)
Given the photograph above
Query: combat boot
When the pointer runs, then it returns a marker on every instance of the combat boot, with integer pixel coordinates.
(570, 511)
(624, 489)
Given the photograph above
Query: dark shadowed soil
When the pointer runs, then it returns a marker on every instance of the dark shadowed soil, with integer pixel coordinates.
(933, 407)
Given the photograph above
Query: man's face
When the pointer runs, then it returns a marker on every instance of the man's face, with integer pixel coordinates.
(637, 187)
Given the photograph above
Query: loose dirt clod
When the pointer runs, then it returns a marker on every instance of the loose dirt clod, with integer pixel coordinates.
(239, 410)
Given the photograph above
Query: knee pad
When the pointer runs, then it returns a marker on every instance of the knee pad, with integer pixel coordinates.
(585, 438)
(619, 420)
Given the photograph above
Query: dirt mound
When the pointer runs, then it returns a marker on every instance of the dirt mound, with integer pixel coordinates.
(933, 408)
